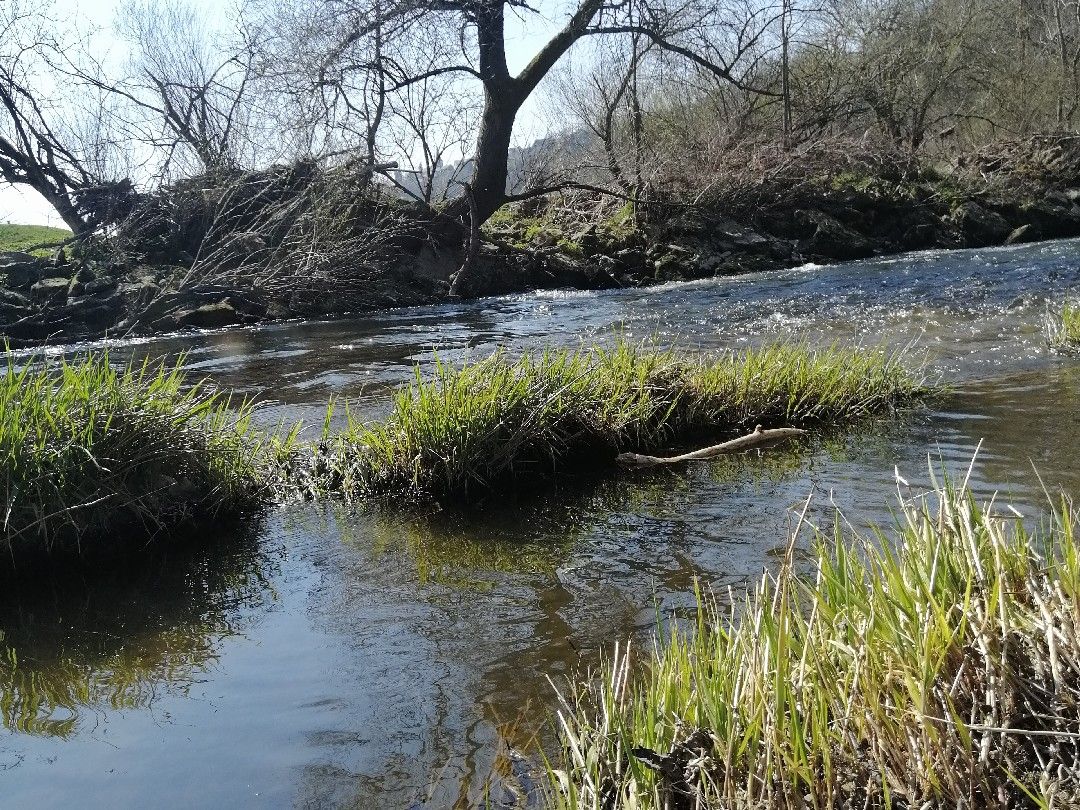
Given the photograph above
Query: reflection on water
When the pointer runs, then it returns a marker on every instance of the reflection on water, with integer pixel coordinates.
(335, 657)
(75, 643)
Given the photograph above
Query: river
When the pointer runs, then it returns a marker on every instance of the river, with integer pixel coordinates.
(326, 657)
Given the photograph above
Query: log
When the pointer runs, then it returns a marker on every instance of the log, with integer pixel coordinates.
(759, 438)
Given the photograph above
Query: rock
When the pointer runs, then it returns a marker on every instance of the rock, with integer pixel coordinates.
(669, 267)
(631, 258)
(981, 226)
(209, 316)
(11, 257)
(1053, 218)
(85, 274)
(139, 293)
(49, 290)
(13, 299)
(21, 274)
(75, 287)
(834, 240)
(1023, 234)
(99, 285)
(59, 258)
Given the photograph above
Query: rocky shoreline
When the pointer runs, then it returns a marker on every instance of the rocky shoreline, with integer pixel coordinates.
(65, 297)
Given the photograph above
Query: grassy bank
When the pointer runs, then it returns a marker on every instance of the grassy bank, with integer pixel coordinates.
(937, 666)
(1064, 330)
(502, 422)
(87, 451)
(21, 237)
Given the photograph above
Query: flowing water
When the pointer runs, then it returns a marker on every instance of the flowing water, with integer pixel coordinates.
(325, 657)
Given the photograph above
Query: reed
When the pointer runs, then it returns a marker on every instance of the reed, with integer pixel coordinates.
(89, 451)
(503, 422)
(936, 666)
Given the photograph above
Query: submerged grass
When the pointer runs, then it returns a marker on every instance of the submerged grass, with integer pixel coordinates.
(1064, 330)
(936, 668)
(87, 450)
(501, 421)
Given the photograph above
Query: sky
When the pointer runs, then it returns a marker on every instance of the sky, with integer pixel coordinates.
(23, 206)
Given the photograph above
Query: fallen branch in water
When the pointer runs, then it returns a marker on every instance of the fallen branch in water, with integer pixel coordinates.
(759, 438)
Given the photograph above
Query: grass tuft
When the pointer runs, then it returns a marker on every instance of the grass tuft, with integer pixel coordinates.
(501, 422)
(939, 667)
(1064, 330)
(87, 450)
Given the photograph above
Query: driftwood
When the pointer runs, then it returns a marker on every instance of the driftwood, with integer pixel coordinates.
(759, 438)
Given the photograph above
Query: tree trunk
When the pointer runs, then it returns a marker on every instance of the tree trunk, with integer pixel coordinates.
(491, 166)
(63, 206)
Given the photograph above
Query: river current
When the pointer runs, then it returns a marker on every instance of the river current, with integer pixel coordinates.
(331, 657)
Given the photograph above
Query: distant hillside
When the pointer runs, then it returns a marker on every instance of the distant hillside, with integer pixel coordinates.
(20, 237)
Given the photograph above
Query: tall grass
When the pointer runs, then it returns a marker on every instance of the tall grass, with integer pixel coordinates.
(1064, 330)
(87, 450)
(936, 667)
(501, 422)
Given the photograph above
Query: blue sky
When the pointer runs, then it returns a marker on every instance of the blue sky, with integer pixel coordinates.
(23, 206)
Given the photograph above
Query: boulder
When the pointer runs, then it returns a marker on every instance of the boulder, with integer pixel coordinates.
(20, 275)
(99, 286)
(208, 316)
(49, 290)
(1053, 218)
(1023, 234)
(981, 226)
(832, 239)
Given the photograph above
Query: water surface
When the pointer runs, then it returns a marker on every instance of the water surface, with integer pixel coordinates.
(326, 657)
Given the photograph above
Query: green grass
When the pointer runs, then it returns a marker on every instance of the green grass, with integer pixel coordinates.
(87, 450)
(500, 422)
(1064, 330)
(935, 667)
(21, 237)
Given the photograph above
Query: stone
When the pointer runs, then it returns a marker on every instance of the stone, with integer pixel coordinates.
(980, 225)
(1023, 234)
(11, 257)
(99, 285)
(13, 299)
(49, 290)
(20, 275)
(86, 274)
(139, 293)
(209, 316)
(833, 239)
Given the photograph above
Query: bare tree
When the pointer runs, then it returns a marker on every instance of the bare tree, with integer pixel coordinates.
(191, 85)
(38, 145)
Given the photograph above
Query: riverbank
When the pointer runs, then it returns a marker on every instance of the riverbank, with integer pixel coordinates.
(91, 452)
(933, 666)
(162, 271)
